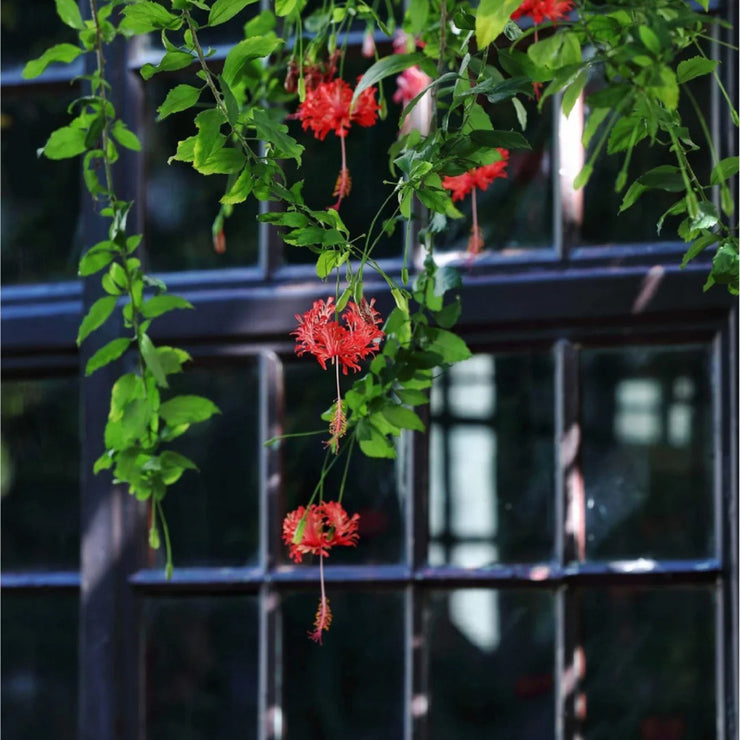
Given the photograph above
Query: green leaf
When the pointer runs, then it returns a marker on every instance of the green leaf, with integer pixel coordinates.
(417, 13)
(65, 53)
(173, 465)
(558, 50)
(448, 316)
(69, 12)
(708, 216)
(666, 177)
(388, 66)
(725, 265)
(284, 7)
(187, 410)
(161, 304)
(224, 10)
(240, 189)
(521, 113)
(403, 418)
(649, 39)
(107, 353)
(571, 95)
(449, 346)
(328, 260)
(594, 120)
(171, 62)
(256, 47)
(125, 137)
(372, 442)
(694, 67)
(172, 358)
(181, 97)
(491, 19)
(583, 176)
(699, 245)
(276, 134)
(412, 397)
(724, 170)
(154, 542)
(104, 462)
(143, 17)
(224, 161)
(64, 143)
(151, 358)
(495, 139)
(96, 258)
(667, 89)
(96, 317)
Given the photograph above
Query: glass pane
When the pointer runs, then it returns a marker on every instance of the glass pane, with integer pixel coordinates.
(39, 667)
(29, 27)
(649, 669)
(491, 665)
(647, 452)
(515, 213)
(372, 486)
(40, 474)
(181, 204)
(352, 685)
(40, 198)
(367, 161)
(201, 668)
(491, 471)
(212, 514)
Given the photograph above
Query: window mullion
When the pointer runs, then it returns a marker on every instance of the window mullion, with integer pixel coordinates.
(569, 537)
(269, 680)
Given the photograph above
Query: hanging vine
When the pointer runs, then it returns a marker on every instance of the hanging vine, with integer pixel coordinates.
(453, 66)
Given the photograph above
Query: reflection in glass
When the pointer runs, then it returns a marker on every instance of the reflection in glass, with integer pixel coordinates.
(491, 664)
(649, 669)
(372, 486)
(40, 198)
(515, 214)
(40, 474)
(201, 668)
(181, 204)
(352, 685)
(647, 452)
(39, 666)
(212, 514)
(491, 461)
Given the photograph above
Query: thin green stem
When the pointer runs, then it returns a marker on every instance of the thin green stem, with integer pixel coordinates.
(166, 533)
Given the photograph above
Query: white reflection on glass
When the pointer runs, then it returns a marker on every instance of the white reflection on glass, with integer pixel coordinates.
(476, 612)
(637, 418)
(472, 466)
(436, 479)
(472, 388)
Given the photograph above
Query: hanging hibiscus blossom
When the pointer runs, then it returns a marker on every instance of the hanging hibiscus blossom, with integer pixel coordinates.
(478, 178)
(328, 107)
(316, 530)
(319, 333)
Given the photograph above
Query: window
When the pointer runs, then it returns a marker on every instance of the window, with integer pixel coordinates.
(556, 559)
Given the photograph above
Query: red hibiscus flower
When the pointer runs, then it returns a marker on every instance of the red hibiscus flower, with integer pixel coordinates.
(479, 177)
(539, 10)
(318, 528)
(328, 107)
(320, 334)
